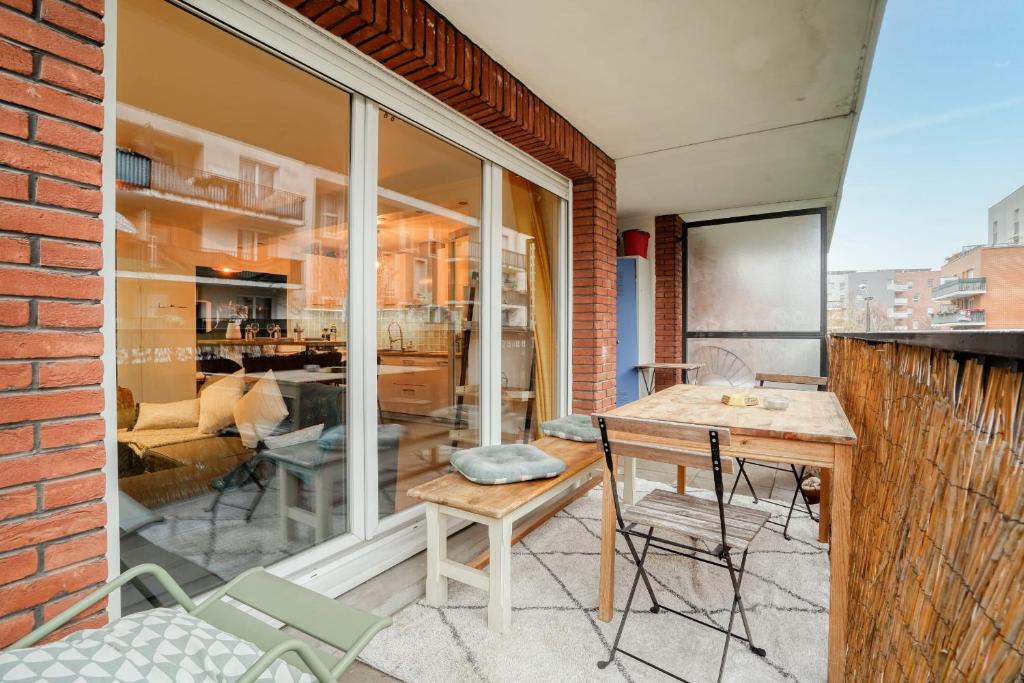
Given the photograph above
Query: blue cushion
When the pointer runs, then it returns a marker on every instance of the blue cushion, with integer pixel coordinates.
(506, 464)
(572, 427)
(335, 438)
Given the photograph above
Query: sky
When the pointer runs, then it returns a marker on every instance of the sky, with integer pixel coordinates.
(941, 134)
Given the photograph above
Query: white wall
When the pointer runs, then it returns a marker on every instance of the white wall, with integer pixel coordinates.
(1002, 212)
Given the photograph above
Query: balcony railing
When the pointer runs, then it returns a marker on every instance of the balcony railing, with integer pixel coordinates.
(958, 318)
(960, 288)
(898, 315)
(894, 286)
(140, 172)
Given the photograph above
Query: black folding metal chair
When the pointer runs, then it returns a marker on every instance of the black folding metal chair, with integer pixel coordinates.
(798, 473)
(718, 530)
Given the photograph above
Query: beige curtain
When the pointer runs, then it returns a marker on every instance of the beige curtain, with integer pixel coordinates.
(528, 204)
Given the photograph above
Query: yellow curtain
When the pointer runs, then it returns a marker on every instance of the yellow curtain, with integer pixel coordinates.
(528, 204)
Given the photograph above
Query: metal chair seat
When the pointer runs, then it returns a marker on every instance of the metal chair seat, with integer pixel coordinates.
(696, 518)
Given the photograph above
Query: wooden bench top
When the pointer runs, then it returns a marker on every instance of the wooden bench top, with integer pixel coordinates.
(499, 500)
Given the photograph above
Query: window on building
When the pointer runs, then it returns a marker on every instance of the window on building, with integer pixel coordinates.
(915, 324)
(930, 283)
(917, 297)
(257, 177)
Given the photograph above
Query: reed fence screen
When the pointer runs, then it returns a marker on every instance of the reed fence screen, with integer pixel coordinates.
(937, 570)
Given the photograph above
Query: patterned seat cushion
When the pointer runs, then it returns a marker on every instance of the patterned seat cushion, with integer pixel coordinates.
(506, 464)
(158, 646)
(572, 427)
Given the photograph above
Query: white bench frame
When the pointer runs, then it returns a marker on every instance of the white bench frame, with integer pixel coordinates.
(497, 581)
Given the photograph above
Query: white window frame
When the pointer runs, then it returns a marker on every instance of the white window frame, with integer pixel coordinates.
(345, 561)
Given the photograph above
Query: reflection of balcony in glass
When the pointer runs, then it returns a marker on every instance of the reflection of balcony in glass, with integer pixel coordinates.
(138, 173)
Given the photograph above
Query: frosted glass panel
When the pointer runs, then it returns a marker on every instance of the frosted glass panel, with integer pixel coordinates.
(756, 276)
(735, 361)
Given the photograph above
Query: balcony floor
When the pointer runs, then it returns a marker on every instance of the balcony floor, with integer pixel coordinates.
(555, 633)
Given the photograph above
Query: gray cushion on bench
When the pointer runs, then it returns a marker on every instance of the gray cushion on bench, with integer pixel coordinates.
(506, 464)
(572, 427)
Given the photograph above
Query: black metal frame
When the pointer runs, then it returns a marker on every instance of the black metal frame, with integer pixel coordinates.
(822, 332)
(721, 552)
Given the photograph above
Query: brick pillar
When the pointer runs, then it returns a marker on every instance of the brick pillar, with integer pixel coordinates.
(668, 297)
(593, 322)
(52, 517)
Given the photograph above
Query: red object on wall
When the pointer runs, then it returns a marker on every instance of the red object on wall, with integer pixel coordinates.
(634, 243)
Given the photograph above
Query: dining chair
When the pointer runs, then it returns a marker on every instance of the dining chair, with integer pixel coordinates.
(798, 473)
(718, 530)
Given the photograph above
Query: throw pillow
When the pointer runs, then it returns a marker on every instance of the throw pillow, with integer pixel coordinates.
(217, 402)
(260, 411)
(571, 427)
(506, 464)
(168, 415)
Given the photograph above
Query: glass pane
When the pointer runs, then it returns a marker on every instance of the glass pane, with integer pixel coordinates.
(232, 267)
(736, 361)
(755, 276)
(529, 251)
(428, 307)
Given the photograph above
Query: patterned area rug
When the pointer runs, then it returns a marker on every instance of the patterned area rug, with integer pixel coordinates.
(556, 635)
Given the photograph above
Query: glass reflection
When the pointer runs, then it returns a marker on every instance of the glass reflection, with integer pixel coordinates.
(232, 267)
(428, 307)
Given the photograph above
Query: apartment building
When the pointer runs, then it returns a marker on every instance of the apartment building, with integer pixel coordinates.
(882, 300)
(1004, 218)
(981, 287)
(912, 304)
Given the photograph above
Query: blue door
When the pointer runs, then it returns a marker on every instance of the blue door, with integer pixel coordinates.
(627, 350)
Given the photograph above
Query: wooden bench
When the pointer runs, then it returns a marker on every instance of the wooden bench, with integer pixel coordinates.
(498, 507)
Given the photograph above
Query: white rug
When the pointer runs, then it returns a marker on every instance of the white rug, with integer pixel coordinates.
(556, 636)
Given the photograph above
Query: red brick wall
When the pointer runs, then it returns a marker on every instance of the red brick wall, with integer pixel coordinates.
(595, 237)
(1003, 302)
(412, 39)
(52, 542)
(668, 298)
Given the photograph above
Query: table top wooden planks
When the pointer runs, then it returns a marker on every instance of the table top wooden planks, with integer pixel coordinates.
(499, 500)
(814, 416)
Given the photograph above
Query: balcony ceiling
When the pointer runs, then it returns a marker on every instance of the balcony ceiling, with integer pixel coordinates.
(706, 106)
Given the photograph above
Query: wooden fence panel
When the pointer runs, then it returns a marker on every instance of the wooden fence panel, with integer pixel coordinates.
(937, 568)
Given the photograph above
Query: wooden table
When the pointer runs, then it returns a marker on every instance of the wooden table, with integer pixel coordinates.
(813, 431)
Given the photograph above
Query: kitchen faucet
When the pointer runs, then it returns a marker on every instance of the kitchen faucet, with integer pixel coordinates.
(391, 337)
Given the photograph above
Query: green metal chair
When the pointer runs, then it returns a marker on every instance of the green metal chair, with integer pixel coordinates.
(316, 615)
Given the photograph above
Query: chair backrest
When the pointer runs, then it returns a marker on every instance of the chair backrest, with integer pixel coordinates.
(670, 442)
(806, 380)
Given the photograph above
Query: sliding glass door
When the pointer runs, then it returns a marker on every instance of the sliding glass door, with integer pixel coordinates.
(318, 302)
(428, 266)
(232, 286)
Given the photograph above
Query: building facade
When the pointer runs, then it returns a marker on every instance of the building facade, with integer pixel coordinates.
(895, 300)
(1004, 219)
(981, 287)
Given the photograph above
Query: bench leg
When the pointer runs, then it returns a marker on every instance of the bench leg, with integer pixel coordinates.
(437, 552)
(499, 599)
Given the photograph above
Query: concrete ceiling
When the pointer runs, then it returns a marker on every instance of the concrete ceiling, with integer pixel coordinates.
(706, 106)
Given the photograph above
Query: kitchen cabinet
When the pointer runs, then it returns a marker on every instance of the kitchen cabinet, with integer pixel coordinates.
(423, 388)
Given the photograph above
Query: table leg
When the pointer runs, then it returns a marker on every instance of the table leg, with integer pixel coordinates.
(839, 555)
(647, 381)
(680, 479)
(629, 480)
(606, 584)
(437, 552)
(323, 483)
(289, 499)
(499, 598)
(824, 505)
